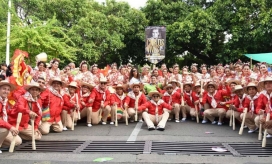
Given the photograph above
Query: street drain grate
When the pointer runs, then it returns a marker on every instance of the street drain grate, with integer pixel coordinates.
(188, 148)
(50, 146)
(115, 147)
(147, 147)
(252, 149)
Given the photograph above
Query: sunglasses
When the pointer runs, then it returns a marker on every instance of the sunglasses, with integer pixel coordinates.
(169, 88)
(40, 82)
(155, 96)
(103, 83)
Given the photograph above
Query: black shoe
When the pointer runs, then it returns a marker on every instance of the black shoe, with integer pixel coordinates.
(151, 128)
(160, 129)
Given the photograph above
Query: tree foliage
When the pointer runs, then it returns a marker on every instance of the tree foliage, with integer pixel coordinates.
(114, 32)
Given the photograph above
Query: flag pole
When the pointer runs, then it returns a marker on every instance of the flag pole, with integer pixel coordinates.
(8, 33)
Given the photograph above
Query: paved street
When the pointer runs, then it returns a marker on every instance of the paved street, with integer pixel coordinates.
(187, 132)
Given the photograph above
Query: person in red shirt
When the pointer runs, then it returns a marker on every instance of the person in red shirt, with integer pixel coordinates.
(53, 99)
(117, 99)
(155, 111)
(237, 104)
(85, 105)
(251, 102)
(30, 105)
(70, 106)
(213, 99)
(7, 131)
(265, 102)
(189, 106)
(134, 99)
(100, 99)
(172, 98)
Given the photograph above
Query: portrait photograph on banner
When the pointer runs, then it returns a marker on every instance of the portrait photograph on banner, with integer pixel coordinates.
(155, 43)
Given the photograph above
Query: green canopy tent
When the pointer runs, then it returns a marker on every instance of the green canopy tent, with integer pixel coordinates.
(262, 57)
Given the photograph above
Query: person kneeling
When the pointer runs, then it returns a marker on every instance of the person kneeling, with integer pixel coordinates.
(155, 112)
(30, 106)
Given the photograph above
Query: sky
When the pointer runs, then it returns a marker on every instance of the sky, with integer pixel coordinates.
(133, 3)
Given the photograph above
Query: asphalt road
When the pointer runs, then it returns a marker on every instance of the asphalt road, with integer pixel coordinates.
(188, 131)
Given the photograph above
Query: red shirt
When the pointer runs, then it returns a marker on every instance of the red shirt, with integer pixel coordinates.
(189, 98)
(120, 100)
(84, 98)
(98, 97)
(239, 103)
(262, 103)
(218, 98)
(67, 105)
(18, 93)
(23, 106)
(130, 100)
(55, 105)
(175, 98)
(4, 124)
(151, 107)
(248, 105)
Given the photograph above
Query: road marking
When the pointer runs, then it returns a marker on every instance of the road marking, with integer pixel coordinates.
(135, 132)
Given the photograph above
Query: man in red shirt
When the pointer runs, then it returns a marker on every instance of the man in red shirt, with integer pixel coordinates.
(189, 106)
(7, 131)
(155, 112)
(117, 100)
(251, 102)
(30, 105)
(70, 106)
(100, 99)
(213, 99)
(172, 98)
(85, 105)
(265, 102)
(134, 99)
(52, 98)
(237, 104)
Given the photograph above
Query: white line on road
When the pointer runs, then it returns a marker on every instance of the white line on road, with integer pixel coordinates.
(135, 132)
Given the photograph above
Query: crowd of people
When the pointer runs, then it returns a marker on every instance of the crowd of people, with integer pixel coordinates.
(56, 99)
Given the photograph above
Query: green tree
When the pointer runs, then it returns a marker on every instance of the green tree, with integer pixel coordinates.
(38, 37)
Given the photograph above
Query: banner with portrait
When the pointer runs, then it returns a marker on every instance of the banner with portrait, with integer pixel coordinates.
(155, 43)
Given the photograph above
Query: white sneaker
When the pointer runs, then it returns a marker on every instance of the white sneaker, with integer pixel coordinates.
(268, 136)
(183, 120)
(112, 123)
(169, 119)
(252, 131)
(104, 123)
(131, 120)
(204, 121)
(219, 123)
(177, 121)
(141, 121)
(214, 122)
(64, 128)
(245, 127)
(0, 152)
(89, 125)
